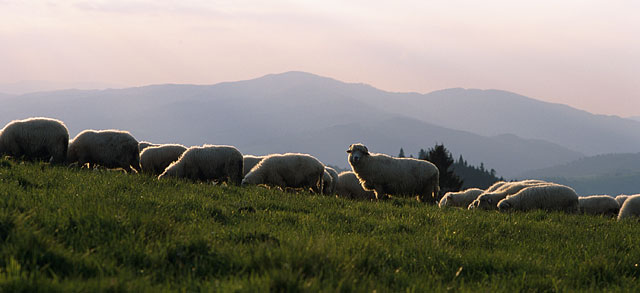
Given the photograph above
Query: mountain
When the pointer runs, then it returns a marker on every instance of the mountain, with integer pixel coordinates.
(32, 86)
(636, 118)
(610, 174)
(293, 111)
(493, 112)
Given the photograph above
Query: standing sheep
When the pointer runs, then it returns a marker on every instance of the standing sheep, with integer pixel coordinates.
(288, 171)
(460, 198)
(208, 163)
(35, 139)
(155, 159)
(546, 197)
(330, 185)
(108, 148)
(348, 186)
(386, 175)
(250, 161)
(630, 208)
(598, 204)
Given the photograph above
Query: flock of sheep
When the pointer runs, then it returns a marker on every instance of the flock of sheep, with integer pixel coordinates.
(374, 176)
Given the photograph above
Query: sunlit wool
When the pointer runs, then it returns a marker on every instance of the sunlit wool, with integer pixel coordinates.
(460, 198)
(107, 148)
(488, 200)
(331, 181)
(155, 159)
(208, 163)
(630, 208)
(35, 138)
(386, 175)
(290, 170)
(250, 161)
(598, 204)
(348, 186)
(551, 197)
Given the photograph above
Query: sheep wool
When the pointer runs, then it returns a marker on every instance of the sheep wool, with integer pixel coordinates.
(219, 163)
(250, 161)
(460, 198)
(330, 182)
(107, 148)
(489, 200)
(35, 139)
(598, 205)
(545, 196)
(386, 175)
(348, 186)
(630, 208)
(155, 159)
(145, 144)
(290, 170)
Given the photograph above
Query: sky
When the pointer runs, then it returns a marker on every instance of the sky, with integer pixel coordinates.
(582, 53)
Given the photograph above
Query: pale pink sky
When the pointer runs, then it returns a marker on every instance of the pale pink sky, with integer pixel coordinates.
(578, 52)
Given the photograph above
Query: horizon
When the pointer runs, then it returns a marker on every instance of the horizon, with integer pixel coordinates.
(572, 53)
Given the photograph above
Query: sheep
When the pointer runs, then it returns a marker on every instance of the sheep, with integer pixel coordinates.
(348, 186)
(542, 196)
(460, 198)
(331, 181)
(35, 139)
(108, 148)
(630, 207)
(145, 144)
(622, 198)
(155, 159)
(250, 161)
(489, 200)
(386, 175)
(495, 186)
(290, 170)
(598, 204)
(219, 163)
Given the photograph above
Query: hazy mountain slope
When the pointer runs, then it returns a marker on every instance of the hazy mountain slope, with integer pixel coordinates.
(492, 112)
(508, 154)
(600, 165)
(277, 113)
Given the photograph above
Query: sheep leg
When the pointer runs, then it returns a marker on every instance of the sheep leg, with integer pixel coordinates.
(380, 194)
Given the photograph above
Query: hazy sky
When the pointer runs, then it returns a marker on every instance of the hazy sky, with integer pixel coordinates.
(578, 52)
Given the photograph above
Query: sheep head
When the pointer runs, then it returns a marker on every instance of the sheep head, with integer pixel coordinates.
(356, 153)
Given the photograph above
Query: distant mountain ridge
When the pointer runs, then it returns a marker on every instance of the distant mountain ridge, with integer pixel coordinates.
(296, 111)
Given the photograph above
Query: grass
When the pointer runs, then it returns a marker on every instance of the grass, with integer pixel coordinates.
(69, 230)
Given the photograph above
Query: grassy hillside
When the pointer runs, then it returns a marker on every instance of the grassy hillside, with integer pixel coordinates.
(78, 230)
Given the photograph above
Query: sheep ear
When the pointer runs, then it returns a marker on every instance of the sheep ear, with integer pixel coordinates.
(349, 151)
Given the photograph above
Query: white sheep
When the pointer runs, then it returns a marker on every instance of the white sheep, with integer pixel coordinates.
(288, 170)
(219, 163)
(544, 196)
(495, 186)
(622, 198)
(386, 175)
(35, 139)
(488, 200)
(460, 198)
(250, 161)
(630, 207)
(145, 144)
(598, 204)
(348, 186)
(331, 181)
(155, 159)
(107, 148)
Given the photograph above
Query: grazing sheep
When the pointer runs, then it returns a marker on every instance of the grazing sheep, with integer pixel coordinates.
(155, 159)
(460, 198)
(598, 204)
(287, 171)
(495, 186)
(348, 186)
(489, 200)
(107, 148)
(218, 163)
(386, 175)
(630, 208)
(250, 161)
(544, 196)
(145, 144)
(621, 199)
(330, 184)
(35, 139)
